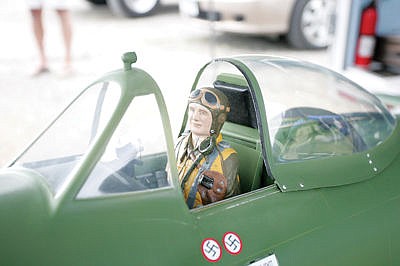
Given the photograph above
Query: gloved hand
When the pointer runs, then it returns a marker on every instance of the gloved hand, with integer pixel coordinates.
(212, 191)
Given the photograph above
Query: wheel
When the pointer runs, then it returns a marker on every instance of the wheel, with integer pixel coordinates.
(311, 25)
(97, 2)
(132, 8)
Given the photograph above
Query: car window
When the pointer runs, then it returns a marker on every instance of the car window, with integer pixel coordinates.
(136, 156)
(60, 148)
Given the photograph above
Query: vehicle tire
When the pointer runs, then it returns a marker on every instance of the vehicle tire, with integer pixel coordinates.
(311, 25)
(97, 2)
(132, 8)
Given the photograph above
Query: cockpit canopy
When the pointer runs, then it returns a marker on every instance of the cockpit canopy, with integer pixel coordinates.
(304, 114)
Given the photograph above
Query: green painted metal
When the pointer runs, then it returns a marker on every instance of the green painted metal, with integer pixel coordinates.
(354, 222)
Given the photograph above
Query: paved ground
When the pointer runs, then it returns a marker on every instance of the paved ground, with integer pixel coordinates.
(168, 47)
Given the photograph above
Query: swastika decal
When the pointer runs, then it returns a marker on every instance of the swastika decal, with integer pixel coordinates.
(211, 250)
(232, 243)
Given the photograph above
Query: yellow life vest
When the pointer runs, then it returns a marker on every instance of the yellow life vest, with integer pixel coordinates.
(185, 162)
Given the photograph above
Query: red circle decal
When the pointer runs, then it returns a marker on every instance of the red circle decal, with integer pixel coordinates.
(232, 243)
(211, 250)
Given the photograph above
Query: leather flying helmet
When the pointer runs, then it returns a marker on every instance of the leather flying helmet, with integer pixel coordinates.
(216, 102)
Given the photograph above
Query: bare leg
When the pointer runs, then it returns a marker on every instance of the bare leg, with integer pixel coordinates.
(66, 26)
(38, 31)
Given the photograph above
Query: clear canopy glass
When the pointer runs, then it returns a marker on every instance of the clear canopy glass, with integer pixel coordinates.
(56, 152)
(311, 112)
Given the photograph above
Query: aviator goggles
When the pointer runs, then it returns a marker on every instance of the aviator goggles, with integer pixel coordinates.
(208, 99)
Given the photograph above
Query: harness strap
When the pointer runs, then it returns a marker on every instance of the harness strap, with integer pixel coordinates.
(190, 170)
(206, 166)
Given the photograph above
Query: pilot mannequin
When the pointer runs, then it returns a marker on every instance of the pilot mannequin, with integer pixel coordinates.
(207, 165)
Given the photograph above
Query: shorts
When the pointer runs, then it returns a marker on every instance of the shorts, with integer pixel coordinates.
(53, 4)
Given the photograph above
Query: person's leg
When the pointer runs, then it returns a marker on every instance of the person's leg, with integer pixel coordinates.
(38, 31)
(66, 26)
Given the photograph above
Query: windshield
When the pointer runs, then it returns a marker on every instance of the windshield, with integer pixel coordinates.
(135, 158)
(60, 147)
(314, 113)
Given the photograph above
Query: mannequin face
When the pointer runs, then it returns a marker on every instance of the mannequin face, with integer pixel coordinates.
(200, 120)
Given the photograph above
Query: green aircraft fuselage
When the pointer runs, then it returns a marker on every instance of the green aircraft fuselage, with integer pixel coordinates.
(318, 188)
